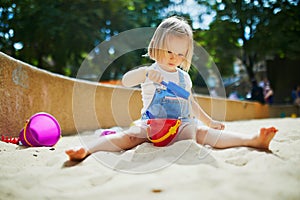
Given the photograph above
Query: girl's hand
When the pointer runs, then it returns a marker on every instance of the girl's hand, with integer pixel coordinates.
(154, 75)
(216, 125)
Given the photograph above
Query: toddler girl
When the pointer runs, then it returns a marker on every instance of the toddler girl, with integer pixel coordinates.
(171, 48)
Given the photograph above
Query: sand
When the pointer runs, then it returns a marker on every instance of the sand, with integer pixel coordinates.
(184, 170)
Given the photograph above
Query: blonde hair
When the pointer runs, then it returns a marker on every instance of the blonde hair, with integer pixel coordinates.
(174, 26)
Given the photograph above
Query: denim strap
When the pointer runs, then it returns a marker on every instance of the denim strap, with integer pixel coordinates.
(181, 79)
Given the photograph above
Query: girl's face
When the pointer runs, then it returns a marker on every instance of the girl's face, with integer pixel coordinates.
(174, 54)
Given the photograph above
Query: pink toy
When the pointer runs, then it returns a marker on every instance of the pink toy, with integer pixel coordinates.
(107, 132)
(42, 129)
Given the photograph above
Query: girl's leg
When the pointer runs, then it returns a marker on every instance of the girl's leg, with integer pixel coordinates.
(115, 142)
(187, 132)
(226, 139)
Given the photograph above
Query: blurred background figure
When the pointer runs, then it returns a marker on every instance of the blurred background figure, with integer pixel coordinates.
(296, 95)
(267, 90)
(257, 93)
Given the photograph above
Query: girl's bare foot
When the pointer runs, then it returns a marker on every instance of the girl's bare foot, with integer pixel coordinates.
(77, 155)
(262, 141)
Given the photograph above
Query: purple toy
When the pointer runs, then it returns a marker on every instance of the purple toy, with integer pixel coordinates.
(42, 129)
(107, 132)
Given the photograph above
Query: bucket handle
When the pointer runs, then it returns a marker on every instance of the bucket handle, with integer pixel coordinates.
(24, 133)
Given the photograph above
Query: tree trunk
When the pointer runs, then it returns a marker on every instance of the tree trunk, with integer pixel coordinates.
(248, 61)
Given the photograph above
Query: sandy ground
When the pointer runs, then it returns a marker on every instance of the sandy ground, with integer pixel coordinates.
(184, 170)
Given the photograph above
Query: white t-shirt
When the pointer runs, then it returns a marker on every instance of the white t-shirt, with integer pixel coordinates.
(148, 87)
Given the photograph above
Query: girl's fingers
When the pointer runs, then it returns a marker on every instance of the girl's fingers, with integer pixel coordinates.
(155, 76)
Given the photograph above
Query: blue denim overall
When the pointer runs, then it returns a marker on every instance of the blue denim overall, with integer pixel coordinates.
(165, 104)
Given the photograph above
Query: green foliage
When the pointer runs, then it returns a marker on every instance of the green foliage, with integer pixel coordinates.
(57, 35)
(6, 33)
(279, 35)
(262, 27)
(221, 43)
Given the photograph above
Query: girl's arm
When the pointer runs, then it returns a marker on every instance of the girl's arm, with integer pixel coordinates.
(134, 77)
(204, 117)
(138, 76)
(199, 112)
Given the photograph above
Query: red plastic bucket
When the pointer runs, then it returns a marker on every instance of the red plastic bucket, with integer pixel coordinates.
(42, 129)
(162, 131)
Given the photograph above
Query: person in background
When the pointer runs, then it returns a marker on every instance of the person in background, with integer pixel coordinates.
(267, 90)
(257, 93)
(296, 95)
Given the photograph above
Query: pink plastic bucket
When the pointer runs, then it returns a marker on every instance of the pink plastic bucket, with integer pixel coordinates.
(42, 129)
